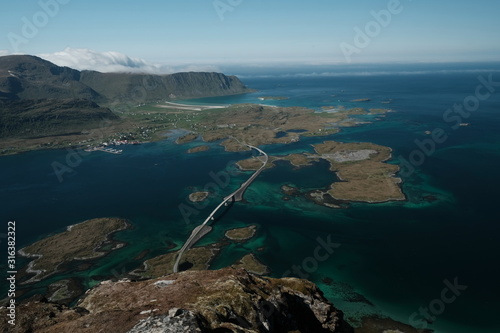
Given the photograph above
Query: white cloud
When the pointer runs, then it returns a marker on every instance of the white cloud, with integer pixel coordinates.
(85, 59)
(4, 53)
(82, 59)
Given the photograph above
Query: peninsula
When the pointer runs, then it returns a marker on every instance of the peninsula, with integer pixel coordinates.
(80, 242)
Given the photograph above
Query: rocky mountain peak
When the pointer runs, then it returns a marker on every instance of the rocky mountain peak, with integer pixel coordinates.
(227, 300)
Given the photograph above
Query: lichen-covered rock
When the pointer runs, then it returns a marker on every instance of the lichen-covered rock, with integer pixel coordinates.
(227, 300)
(178, 322)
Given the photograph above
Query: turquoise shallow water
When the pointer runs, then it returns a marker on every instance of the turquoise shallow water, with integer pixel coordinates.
(392, 258)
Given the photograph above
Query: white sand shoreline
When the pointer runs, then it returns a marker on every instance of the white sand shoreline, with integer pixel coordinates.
(171, 105)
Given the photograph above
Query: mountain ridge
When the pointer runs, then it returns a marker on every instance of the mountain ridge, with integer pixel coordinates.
(41, 99)
(31, 77)
(226, 300)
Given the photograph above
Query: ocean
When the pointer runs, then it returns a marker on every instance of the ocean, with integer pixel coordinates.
(432, 256)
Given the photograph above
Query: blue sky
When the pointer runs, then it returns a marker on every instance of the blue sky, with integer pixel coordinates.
(258, 31)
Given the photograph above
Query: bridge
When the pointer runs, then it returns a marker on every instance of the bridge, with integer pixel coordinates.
(238, 194)
(204, 228)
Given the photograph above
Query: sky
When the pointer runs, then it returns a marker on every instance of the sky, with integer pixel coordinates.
(151, 35)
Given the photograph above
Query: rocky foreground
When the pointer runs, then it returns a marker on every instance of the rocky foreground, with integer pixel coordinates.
(227, 300)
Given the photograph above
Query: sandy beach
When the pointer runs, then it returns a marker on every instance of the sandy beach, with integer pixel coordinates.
(170, 105)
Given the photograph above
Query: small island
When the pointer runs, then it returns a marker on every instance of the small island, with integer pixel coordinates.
(252, 265)
(297, 160)
(197, 258)
(198, 149)
(254, 163)
(83, 241)
(186, 138)
(198, 196)
(300, 160)
(290, 190)
(364, 175)
(241, 234)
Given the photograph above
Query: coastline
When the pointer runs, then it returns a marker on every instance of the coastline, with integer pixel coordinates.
(171, 105)
(386, 217)
(354, 164)
(41, 273)
(149, 123)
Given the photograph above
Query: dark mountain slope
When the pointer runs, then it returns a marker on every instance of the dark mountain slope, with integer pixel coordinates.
(39, 98)
(145, 88)
(35, 118)
(29, 77)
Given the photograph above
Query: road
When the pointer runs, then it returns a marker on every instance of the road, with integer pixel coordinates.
(238, 194)
(204, 228)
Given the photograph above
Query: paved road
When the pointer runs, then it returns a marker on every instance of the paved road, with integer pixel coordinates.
(203, 228)
(238, 194)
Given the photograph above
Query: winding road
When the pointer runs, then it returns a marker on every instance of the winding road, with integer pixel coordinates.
(237, 195)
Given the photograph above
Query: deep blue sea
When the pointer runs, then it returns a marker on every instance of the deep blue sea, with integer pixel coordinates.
(398, 259)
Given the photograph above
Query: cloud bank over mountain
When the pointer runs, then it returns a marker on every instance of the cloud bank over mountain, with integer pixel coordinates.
(85, 59)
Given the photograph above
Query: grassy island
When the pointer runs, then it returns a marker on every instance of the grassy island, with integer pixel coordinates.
(365, 177)
(361, 167)
(196, 258)
(198, 196)
(198, 149)
(254, 163)
(300, 160)
(83, 241)
(252, 264)
(240, 234)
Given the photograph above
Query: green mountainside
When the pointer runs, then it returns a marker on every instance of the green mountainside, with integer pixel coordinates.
(27, 77)
(39, 98)
(118, 88)
(38, 118)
